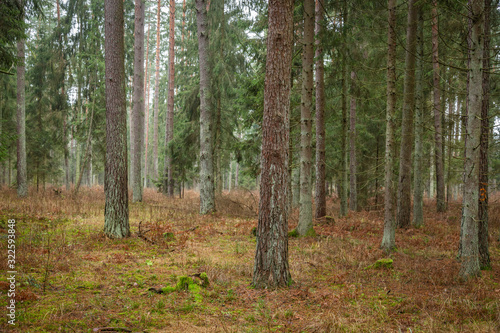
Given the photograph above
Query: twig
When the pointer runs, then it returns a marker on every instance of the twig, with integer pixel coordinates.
(112, 329)
(140, 234)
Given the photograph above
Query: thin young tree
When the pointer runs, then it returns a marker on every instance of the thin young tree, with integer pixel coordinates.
(438, 135)
(207, 190)
(22, 178)
(116, 224)
(469, 240)
(138, 102)
(305, 226)
(404, 184)
(320, 197)
(271, 267)
(389, 238)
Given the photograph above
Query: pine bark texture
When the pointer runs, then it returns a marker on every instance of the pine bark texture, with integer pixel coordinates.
(169, 135)
(344, 181)
(353, 194)
(404, 185)
(137, 122)
(305, 225)
(207, 191)
(484, 254)
(116, 223)
(271, 268)
(157, 95)
(389, 238)
(438, 130)
(469, 228)
(418, 184)
(320, 193)
(22, 178)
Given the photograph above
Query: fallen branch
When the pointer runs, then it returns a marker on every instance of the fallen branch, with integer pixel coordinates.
(140, 234)
(112, 329)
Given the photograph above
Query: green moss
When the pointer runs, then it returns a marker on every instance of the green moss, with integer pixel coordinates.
(204, 278)
(382, 263)
(169, 236)
(293, 234)
(184, 282)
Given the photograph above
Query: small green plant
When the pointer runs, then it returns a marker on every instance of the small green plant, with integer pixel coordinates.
(293, 234)
(382, 263)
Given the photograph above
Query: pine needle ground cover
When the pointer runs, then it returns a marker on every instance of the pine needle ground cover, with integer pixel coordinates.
(182, 272)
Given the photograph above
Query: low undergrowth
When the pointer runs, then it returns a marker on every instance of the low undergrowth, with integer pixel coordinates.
(182, 272)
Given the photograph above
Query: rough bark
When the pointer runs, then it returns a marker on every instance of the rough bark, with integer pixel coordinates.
(138, 103)
(320, 195)
(344, 181)
(404, 184)
(271, 268)
(22, 178)
(438, 130)
(157, 95)
(146, 118)
(469, 240)
(305, 226)
(207, 191)
(116, 223)
(484, 254)
(418, 187)
(388, 240)
(169, 132)
(353, 194)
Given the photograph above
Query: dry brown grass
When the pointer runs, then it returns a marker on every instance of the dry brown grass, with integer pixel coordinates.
(73, 279)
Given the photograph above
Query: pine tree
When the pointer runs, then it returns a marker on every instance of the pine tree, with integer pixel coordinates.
(207, 193)
(404, 185)
(469, 247)
(271, 267)
(116, 224)
(138, 102)
(22, 178)
(305, 226)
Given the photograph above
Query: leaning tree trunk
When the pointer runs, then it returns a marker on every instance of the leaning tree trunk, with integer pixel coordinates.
(138, 103)
(320, 198)
(271, 268)
(388, 240)
(469, 240)
(438, 135)
(116, 224)
(22, 178)
(207, 191)
(404, 185)
(484, 254)
(305, 226)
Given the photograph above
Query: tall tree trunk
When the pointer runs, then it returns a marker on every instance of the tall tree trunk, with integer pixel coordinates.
(207, 193)
(469, 240)
(343, 141)
(404, 185)
(320, 197)
(116, 224)
(146, 119)
(418, 187)
(389, 238)
(271, 268)
(438, 135)
(137, 141)
(22, 181)
(86, 155)
(157, 96)
(305, 226)
(353, 195)
(169, 131)
(484, 254)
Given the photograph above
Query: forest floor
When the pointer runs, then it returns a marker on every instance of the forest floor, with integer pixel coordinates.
(71, 278)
